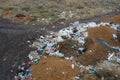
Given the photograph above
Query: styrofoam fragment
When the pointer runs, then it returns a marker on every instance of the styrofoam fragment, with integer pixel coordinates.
(92, 24)
(57, 53)
(59, 39)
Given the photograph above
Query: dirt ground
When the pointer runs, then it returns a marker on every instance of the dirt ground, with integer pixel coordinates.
(54, 68)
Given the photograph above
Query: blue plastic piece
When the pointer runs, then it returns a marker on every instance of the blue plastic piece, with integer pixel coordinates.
(92, 71)
(103, 42)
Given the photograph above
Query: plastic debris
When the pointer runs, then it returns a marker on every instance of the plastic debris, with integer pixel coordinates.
(57, 53)
(77, 78)
(92, 71)
(114, 57)
(36, 61)
(72, 66)
(115, 47)
(114, 36)
(77, 31)
(81, 50)
(110, 56)
(16, 77)
(118, 28)
(103, 42)
(69, 58)
(92, 24)
(33, 55)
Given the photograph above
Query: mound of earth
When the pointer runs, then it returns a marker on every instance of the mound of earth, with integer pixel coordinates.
(69, 47)
(95, 50)
(115, 19)
(54, 68)
(104, 33)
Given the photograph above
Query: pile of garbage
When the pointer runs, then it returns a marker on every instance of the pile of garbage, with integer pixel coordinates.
(50, 45)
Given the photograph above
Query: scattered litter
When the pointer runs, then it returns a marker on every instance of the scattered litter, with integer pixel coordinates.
(81, 50)
(77, 78)
(57, 53)
(114, 36)
(116, 48)
(78, 32)
(48, 44)
(110, 56)
(92, 24)
(36, 61)
(33, 55)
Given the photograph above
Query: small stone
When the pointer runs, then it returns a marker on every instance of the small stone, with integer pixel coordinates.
(72, 66)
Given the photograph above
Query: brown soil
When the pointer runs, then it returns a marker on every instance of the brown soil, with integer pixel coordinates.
(115, 19)
(104, 33)
(24, 18)
(94, 53)
(54, 68)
